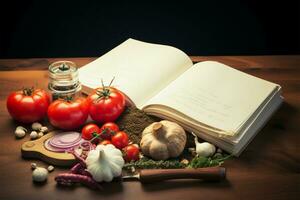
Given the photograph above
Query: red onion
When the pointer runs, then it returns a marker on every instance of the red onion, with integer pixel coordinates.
(64, 141)
(51, 148)
(66, 138)
(63, 146)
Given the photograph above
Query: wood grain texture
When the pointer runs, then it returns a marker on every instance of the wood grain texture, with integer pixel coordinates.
(268, 169)
(239, 62)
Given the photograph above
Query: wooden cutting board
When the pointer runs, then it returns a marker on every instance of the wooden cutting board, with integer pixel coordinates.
(35, 149)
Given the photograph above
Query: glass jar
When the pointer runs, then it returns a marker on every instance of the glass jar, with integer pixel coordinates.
(63, 80)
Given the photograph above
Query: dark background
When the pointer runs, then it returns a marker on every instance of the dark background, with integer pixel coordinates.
(87, 28)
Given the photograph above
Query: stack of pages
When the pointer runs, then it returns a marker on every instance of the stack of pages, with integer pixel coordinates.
(220, 104)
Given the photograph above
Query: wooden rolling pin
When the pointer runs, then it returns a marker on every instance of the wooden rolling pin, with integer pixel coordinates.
(156, 175)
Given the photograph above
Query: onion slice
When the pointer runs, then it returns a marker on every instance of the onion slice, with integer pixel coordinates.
(51, 148)
(64, 141)
(69, 136)
(64, 146)
(66, 138)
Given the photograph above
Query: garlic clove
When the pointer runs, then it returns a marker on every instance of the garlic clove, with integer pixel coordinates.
(40, 174)
(36, 126)
(40, 134)
(205, 149)
(44, 129)
(33, 166)
(50, 168)
(20, 133)
(33, 135)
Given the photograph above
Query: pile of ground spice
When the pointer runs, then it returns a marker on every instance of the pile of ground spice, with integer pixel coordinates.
(133, 121)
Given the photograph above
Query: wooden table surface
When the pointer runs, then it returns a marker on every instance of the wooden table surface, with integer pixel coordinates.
(268, 169)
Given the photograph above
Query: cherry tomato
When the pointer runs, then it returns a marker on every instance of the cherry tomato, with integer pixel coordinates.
(29, 105)
(68, 115)
(89, 130)
(131, 152)
(106, 104)
(120, 140)
(108, 129)
(105, 142)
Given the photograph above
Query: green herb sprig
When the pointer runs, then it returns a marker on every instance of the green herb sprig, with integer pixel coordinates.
(196, 162)
(147, 163)
(200, 161)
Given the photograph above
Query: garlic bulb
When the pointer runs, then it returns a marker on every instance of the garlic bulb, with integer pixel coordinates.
(39, 174)
(105, 162)
(204, 149)
(163, 140)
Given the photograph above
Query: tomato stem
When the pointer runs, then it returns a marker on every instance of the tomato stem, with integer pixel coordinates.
(105, 90)
(112, 80)
(108, 130)
(28, 91)
(95, 136)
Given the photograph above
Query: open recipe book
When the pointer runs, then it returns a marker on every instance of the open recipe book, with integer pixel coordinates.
(218, 103)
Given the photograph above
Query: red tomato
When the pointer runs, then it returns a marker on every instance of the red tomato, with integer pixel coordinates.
(89, 130)
(68, 115)
(106, 104)
(105, 142)
(108, 129)
(120, 140)
(29, 105)
(131, 152)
